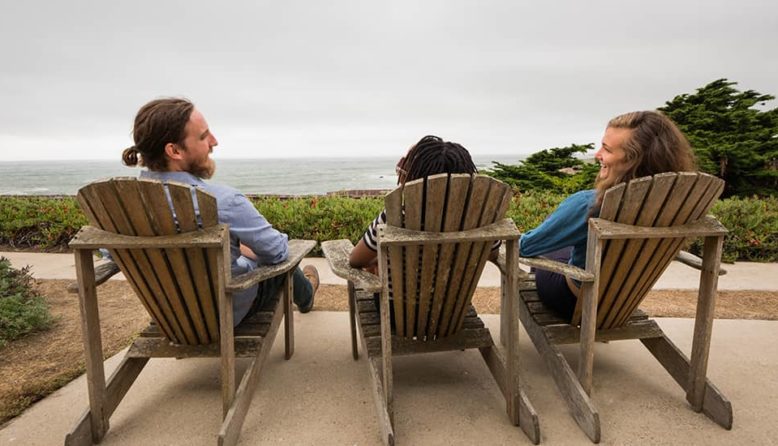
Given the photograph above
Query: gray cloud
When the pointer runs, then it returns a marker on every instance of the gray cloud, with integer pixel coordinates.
(347, 78)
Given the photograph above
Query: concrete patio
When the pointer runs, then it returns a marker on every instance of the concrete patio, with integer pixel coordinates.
(322, 396)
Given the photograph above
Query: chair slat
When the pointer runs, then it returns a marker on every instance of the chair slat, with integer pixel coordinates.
(471, 216)
(187, 221)
(393, 204)
(139, 262)
(701, 198)
(209, 216)
(631, 204)
(609, 208)
(457, 195)
(479, 252)
(133, 200)
(92, 205)
(413, 202)
(162, 223)
(648, 261)
(632, 261)
(434, 207)
(667, 247)
(148, 270)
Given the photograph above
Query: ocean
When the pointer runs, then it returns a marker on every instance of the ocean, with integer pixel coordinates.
(290, 176)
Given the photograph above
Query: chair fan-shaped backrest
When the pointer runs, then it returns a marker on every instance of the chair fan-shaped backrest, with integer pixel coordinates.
(432, 285)
(630, 268)
(177, 286)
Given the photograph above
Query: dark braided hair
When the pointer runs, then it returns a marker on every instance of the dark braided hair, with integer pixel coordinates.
(431, 155)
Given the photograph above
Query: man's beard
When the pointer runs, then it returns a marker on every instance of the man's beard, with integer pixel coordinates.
(203, 169)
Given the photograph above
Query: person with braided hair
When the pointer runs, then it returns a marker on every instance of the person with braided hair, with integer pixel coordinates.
(430, 156)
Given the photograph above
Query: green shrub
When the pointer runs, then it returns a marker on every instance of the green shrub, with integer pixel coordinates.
(49, 223)
(39, 222)
(22, 310)
(320, 218)
(529, 209)
(753, 229)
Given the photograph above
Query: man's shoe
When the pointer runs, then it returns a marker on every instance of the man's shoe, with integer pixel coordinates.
(312, 274)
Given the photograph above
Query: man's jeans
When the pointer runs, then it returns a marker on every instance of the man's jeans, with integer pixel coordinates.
(267, 289)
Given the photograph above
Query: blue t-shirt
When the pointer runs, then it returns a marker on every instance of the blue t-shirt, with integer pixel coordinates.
(566, 226)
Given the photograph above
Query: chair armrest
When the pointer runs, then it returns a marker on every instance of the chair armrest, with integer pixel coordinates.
(501, 263)
(103, 272)
(504, 229)
(704, 227)
(695, 262)
(298, 249)
(337, 253)
(565, 269)
(90, 237)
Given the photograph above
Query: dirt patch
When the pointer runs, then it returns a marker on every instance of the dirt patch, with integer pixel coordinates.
(36, 365)
(33, 367)
(660, 303)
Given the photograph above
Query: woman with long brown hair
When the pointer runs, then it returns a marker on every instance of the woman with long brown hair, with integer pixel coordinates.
(634, 145)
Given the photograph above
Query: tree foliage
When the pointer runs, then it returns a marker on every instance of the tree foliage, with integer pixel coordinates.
(544, 170)
(732, 138)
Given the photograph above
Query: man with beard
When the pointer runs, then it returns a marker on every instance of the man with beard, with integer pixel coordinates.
(174, 143)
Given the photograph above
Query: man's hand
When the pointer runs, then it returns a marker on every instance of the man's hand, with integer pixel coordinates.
(245, 251)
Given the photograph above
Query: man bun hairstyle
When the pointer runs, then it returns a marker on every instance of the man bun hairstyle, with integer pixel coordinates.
(157, 123)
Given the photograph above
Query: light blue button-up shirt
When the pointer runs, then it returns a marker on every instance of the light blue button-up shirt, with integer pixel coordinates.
(247, 226)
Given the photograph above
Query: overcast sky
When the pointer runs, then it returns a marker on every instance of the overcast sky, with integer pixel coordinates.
(362, 78)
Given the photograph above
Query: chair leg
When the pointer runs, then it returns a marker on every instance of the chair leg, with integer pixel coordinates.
(715, 405)
(527, 418)
(288, 292)
(385, 422)
(227, 351)
(703, 322)
(226, 334)
(118, 384)
(352, 313)
(386, 357)
(586, 345)
(93, 346)
(577, 399)
(233, 420)
(504, 316)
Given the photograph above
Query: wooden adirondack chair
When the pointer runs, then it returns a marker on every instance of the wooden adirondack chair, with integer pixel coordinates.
(431, 255)
(179, 266)
(641, 228)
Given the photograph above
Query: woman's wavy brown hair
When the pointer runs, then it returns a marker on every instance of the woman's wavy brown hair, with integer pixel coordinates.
(654, 145)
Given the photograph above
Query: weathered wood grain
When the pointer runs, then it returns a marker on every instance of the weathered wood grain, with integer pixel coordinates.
(639, 230)
(432, 250)
(179, 268)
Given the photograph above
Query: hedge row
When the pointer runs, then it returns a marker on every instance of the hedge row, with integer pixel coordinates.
(47, 223)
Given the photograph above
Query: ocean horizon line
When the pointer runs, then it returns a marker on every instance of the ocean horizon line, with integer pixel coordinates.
(218, 158)
(264, 176)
